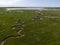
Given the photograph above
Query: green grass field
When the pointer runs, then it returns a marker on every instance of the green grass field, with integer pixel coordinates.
(38, 28)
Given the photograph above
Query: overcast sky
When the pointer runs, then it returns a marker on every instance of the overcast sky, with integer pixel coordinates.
(29, 3)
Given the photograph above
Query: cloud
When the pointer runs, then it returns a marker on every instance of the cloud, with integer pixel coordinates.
(21, 3)
(29, 3)
(8, 2)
